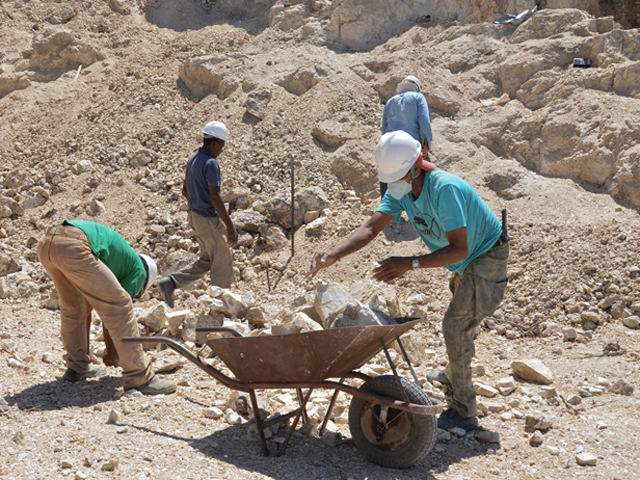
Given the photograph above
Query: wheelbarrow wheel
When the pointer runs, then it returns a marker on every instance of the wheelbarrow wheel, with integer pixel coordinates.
(390, 437)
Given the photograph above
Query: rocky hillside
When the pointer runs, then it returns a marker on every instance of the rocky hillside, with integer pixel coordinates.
(102, 104)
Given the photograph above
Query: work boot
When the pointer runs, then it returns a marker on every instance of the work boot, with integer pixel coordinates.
(438, 376)
(157, 386)
(450, 418)
(72, 376)
(167, 286)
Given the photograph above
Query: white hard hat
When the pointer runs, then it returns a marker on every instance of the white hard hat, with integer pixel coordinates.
(215, 130)
(395, 154)
(414, 80)
(151, 268)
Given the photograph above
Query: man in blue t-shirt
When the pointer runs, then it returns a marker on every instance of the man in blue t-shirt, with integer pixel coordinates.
(408, 111)
(207, 217)
(464, 237)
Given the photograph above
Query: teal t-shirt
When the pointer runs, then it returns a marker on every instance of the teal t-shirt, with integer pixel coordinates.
(114, 251)
(447, 203)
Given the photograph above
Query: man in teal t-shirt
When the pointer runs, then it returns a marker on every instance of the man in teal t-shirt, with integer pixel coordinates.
(93, 267)
(463, 235)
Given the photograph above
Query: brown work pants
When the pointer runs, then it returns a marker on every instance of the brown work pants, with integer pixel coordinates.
(477, 293)
(78, 275)
(215, 256)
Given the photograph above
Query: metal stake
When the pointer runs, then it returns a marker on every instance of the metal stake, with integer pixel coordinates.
(293, 208)
(268, 280)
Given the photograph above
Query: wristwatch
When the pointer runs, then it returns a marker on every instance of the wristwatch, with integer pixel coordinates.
(415, 263)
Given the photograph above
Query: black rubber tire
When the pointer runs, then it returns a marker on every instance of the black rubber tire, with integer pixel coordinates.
(409, 438)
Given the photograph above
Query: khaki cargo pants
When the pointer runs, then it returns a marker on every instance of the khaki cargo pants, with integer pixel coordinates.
(78, 275)
(477, 293)
(215, 256)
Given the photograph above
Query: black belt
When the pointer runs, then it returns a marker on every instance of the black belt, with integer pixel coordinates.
(503, 240)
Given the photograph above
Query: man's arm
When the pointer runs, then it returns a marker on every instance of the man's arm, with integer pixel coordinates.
(358, 239)
(425, 148)
(424, 123)
(185, 194)
(216, 200)
(456, 251)
(383, 126)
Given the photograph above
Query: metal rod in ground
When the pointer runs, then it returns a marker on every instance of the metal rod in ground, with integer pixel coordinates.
(293, 208)
(268, 280)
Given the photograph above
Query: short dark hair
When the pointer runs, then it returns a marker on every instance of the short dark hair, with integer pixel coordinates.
(208, 141)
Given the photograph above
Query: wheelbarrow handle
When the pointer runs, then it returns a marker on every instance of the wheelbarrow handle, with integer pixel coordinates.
(192, 357)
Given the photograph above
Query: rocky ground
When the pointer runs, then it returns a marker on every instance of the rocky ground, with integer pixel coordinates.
(102, 103)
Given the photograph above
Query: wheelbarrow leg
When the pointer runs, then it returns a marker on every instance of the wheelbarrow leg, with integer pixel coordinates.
(305, 417)
(393, 369)
(332, 403)
(295, 423)
(256, 415)
(406, 359)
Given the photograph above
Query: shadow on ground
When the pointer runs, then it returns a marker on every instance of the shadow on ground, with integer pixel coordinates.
(401, 231)
(59, 394)
(231, 446)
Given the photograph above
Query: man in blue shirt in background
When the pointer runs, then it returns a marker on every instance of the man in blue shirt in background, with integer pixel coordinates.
(408, 111)
(463, 235)
(207, 217)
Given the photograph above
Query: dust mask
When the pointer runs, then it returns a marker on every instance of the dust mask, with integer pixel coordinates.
(400, 188)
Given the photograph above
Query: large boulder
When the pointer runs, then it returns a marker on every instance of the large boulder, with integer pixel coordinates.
(154, 318)
(297, 79)
(274, 236)
(333, 132)
(377, 295)
(248, 220)
(56, 51)
(202, 75)
(257, 102)
(355, 168)
(278, 208)
(328, 298)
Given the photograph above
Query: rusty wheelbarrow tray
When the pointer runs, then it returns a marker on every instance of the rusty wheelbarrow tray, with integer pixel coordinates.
(392, 420)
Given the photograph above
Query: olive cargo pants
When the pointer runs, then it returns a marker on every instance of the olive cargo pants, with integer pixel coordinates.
(477, 293)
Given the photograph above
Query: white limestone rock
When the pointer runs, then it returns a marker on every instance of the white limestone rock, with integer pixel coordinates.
(533, 371)
(328, 298)
(295, 323)
(155, 318)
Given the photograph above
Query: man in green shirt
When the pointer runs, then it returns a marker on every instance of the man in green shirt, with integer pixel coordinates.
(92, 266)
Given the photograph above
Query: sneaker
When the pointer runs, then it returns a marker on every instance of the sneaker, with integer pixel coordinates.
(438, 376)
(73, 376)
(157, 386)
(450, 418)
(167, 286)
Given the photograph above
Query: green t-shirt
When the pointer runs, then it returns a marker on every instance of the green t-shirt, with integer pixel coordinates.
(114, 251)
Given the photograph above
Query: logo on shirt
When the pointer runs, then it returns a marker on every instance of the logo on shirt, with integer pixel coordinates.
(427, 226)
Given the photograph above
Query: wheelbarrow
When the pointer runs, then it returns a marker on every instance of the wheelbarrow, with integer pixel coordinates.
(391, 419)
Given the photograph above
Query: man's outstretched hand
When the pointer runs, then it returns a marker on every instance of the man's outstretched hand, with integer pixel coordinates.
(320, 260)
(392, 268)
